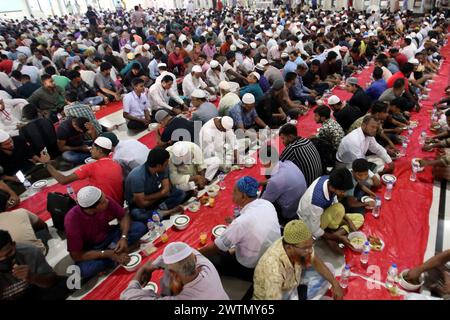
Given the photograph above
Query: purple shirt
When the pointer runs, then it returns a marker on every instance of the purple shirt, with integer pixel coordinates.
(209, 51)
(84, 231)
(285, 187)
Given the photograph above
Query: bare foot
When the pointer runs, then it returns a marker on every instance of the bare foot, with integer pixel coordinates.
(167, 213)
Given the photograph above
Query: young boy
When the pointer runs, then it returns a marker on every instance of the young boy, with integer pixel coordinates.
(363, 181)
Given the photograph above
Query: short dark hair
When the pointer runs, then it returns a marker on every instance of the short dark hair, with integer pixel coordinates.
(323, 111)
(16, 74)
(400, 82)
(379, 107)
(5, 238)
(315, 62)
(369, 117)
(447, 113)
(290, 76)
(73, 74)
(105, 66)
(80, 122)
(157, 157)
(407, 68)
(399, 102)
(341, 179)
(331, 55)
(25, 77)
(288, 129)
(50, 70)
(360, 165)
(71, 96)
(136, 66)
(377, 73)
(137, 81)
(45, 77)
(158, 55)
(230, 55)
(167, 78)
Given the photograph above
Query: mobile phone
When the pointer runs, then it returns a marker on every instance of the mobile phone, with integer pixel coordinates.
(44, 150)
(20, 176)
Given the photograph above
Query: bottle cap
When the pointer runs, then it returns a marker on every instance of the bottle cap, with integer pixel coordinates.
(347, 266)
(394, 265)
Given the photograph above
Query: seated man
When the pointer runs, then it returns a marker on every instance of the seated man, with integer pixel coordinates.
(285, 185)
(82, 90)
(161, 95)
(136, 72)
(331, 131)
(105, 84)
(253, 87)
(76, 109)
(136, 107)
(363, 180)
(378, 86)
(194, 81)
(270, 107)
(279, 272)
(27, 88)
(346, 114)
(188, 276)
(204, 110)
(356, 144)
(187, 169)
(249, 239)
(245, 117)
(25, 274)
(175, 129)
(359, 98)
(104, 173)
(25, 227)
(441, 140)
(148, 188)
(324, 216)
(71, 139)
(228, 99)
(92, 242)
(16, 155)
(128, 153)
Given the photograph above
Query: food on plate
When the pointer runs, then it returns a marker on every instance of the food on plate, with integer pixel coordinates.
(357, 242)
(204, 199)
(375, 243)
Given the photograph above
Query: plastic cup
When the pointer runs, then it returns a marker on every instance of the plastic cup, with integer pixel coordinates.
(164, 237)
(203, 238)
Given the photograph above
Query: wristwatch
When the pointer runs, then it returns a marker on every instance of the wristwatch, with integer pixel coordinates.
(124, 237)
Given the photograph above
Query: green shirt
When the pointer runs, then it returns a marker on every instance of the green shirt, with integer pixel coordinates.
(61, 81)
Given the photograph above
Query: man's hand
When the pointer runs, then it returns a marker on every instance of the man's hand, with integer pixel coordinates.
(117, 97)
(21, 272)
(144, 273)
(413, 275)
(13, 201)
(176, 110)
(338, 292)
(200, 181)
(86, 149)
(44, 157)
(121, 258)
(122, 246)
(427, 147)
(229, 219)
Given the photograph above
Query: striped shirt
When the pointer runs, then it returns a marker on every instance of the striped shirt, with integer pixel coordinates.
(304, 154)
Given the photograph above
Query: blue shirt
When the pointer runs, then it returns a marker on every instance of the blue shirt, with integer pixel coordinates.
(290, 66)
(140, 180)
(254, 89)
(242, 118)
(298, 90)
(376, 89)
(285, 188)
(264, 83)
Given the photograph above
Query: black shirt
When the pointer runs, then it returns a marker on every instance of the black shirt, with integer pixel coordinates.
(267, 106)
(92, 16)
(25, 91)
(68, 133)
(18, 160)
(361, 100)
(347, 116)
(179, 129)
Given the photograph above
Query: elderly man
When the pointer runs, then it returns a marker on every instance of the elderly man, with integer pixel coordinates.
(175, 129)
(359, 99)
(249, 239)
(92, 242)
(285, 185)
(161, 95)
(215, 75)
(228, 99)
(136, 107)
(188, 276)
(194, 81)
(187, 169)
(324, 216)
(204, 110)
(148, 188)
(356, 144)
(104, 173)
(279, 272)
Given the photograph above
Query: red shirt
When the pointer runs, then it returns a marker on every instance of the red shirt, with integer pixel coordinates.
(106, 175)
(224, 48)
(6, 66)
(401, 59)
(176, 61)
(395, 76)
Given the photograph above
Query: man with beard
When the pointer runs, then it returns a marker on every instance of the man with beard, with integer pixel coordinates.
(279, 271)
(49, 99)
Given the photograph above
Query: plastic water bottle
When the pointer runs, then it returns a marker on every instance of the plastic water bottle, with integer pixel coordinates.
(26, 183)
(151, 227)
(410, 130)
(367, 246)
(345, 276)
(404, 147)
(155, 217)
(422, 137)
(364, 257)
(377, 209)
(388, 193)
(160, 228)
(391, 276)
(413, 176)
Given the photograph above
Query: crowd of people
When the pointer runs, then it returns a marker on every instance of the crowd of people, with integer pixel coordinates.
(213, 82)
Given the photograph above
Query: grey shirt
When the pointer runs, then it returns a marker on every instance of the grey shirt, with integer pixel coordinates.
(47, 100)
(205, 112)
(387, 95)
(207, 285)
(104, 82)
(273, 74)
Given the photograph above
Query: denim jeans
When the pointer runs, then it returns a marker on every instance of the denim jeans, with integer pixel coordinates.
(93, 267)
(75, 157)
(175, 198)
(93, 100)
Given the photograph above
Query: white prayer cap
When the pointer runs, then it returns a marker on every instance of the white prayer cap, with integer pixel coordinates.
(285, 55)
(198, 93)
(88, 196)
(3, 136)
(248, 98)
(370, 34)
(434, 40)
(214, 64)
(210, 29)
(256, 75)
(196, 69)
(413, 34)
(414, 61)
(113, 34)
(252, 45)
(233, 47)
(357, 31)
(180, 149)
(224, 85)
(103, 142)
(125, 28)
(259, 66)
(236, 26)
(161, 29)
(134, 44)
(96, 40)
(146, 46)
(264, 62)
(127, 46)
(313, 28)
(133, 31)
(176, 252)
(227, 122)
(161, 65)
(333, 100)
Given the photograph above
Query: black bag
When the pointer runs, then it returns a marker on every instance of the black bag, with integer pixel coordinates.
(58, 205)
